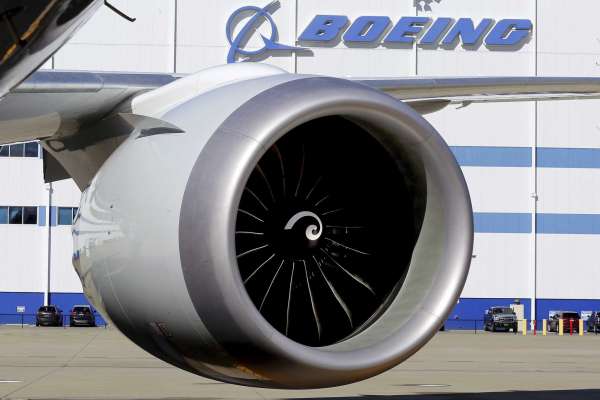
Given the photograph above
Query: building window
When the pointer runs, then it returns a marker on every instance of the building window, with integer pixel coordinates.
(32, 149)
(30, 215)
(29, 149)
(66, 215)
(15, 215)
(17, 150)
(18, 215)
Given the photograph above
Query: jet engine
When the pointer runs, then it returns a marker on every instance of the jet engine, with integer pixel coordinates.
(276, 230)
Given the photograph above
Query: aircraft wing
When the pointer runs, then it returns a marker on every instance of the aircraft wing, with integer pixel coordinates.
(432, 94)
(53, 102)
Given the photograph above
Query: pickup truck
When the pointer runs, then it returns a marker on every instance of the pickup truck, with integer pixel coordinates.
(500, 318)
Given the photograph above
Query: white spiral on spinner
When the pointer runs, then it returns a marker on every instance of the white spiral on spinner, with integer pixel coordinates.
(313, 232)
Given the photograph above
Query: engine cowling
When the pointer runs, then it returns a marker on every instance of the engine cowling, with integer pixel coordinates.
(293, 232)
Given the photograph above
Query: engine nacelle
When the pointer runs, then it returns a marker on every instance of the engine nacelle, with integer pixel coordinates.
(292, 232)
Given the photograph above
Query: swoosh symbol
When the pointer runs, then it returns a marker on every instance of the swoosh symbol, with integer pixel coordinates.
(313, 232)
(259, 15)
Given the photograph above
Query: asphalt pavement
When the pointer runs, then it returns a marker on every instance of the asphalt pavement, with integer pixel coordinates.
(98, 363)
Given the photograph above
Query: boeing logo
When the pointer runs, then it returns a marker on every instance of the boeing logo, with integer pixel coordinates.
(444, 32)
(372, 31)
(258, 16)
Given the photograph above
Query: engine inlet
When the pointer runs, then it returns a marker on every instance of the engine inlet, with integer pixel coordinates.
(325, 232)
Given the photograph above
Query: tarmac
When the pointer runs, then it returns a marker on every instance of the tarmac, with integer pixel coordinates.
(98, 363)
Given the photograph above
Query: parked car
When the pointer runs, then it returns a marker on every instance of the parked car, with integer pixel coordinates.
(593, 323)
(82, 316)
(566, 316)
(500, 318)
(49, 316)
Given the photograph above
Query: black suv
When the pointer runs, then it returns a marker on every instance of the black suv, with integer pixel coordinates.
(82, 316)
(593, 323)
(500, 318)
(49, 316)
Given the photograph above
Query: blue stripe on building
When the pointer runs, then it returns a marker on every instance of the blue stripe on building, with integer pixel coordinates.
(547, 157)
(569, 224)
(544, 306)
(478, 156)
(584, 224)
(9, 301)
(468, 313)
(565, 224)
(568, 158)
(502, 222)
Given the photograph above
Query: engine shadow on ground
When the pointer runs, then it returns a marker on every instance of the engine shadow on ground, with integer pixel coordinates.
(584, 394)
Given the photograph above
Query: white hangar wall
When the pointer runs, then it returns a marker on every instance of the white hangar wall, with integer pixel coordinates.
(533, 170)
(25, 256)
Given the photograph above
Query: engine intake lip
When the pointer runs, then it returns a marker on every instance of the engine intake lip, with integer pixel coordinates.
(438, 268)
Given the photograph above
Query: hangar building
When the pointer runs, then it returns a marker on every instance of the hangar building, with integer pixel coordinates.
(533, 169)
